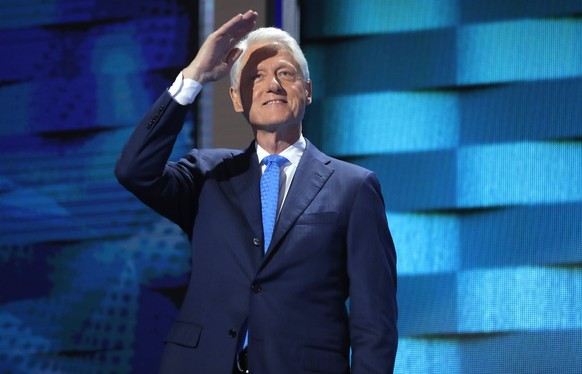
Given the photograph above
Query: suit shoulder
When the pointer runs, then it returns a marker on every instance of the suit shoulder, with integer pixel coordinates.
(338, 165)
(209, 158)
(349, 167)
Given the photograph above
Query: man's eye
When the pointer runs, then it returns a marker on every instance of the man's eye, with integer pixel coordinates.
(254, 78)
(286, 74)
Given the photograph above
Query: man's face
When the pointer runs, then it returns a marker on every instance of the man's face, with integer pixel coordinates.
(272, 91)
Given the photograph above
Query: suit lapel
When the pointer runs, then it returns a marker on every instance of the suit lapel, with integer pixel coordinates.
(310, 176)
(242, 187)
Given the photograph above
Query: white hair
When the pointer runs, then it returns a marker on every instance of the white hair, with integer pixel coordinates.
(268, 35)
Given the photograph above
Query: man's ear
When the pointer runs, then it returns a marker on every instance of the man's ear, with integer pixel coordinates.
(308, 91)
(236, 101)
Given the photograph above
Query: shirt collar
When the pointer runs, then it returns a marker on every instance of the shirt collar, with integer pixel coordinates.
(293, 153)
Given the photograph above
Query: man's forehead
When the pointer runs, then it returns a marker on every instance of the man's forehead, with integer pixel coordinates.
(260, 52)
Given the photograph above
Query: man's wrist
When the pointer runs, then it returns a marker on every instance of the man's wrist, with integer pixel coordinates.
(184, 90)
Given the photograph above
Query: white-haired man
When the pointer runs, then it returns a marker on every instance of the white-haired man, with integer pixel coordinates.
(272, 265)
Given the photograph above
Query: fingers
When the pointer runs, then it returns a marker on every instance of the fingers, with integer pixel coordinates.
(238, 26)
(217, 55)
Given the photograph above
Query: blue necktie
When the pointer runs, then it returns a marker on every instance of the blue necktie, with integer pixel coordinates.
(270, 194)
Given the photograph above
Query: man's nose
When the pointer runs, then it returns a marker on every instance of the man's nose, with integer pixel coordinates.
(275, 85)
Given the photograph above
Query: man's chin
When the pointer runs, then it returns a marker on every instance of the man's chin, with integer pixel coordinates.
(272, 126)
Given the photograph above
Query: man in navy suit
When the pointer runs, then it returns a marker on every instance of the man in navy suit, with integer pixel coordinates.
(280, 307)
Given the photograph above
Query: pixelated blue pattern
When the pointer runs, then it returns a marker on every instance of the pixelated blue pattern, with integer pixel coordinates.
(430, 356)
(519, 298)
(90, 279)
(498, 52)
(429, 238)
(489, 114)
(345, 17)
(431, 114)
(469, 113)
(519, 173)
(414, 60)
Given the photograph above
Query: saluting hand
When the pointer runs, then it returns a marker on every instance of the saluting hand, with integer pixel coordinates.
(217, 54)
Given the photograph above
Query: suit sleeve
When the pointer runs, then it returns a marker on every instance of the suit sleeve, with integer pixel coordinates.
(143, 168)
(372, 273)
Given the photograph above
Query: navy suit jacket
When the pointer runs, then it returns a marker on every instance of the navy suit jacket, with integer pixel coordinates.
(331, 242)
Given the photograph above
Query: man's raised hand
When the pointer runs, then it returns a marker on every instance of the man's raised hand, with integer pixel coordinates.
(217, 54)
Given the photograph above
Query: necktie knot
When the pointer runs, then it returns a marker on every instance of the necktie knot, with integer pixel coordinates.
(275, 159)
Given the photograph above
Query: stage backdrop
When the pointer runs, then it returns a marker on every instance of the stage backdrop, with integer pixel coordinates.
(89, 278)
(470, 112)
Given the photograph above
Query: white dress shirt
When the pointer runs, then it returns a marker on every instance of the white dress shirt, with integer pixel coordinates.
(293, 153)
(184, 90)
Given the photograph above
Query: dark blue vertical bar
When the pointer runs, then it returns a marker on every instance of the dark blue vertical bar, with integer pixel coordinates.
(278, 16)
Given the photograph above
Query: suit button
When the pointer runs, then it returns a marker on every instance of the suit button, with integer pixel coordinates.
(255, 287)
(232, 333)
(256, 242)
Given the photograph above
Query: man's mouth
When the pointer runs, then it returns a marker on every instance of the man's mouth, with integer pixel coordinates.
(277, 101)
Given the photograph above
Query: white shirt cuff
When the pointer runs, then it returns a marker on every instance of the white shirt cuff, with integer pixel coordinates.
(184, 90)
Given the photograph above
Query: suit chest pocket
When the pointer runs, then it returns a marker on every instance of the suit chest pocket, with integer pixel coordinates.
(319, 218)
